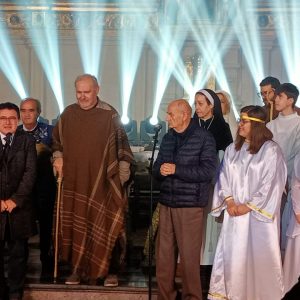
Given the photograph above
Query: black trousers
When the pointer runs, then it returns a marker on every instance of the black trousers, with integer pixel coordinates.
(44, 208)
(44, 198)
(17, 255)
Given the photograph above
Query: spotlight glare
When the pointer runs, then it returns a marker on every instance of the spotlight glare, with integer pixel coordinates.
(9, 64)
(124, 120)
(153, 120)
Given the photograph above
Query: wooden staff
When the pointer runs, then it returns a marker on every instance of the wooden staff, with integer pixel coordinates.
(271, 110)
(59, 188)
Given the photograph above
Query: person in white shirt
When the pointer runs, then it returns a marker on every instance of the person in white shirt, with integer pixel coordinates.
(286, 132)
(291, 264)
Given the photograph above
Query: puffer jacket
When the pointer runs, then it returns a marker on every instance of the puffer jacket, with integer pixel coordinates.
(195, 160)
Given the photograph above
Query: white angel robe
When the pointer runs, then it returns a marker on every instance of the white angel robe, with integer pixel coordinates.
(291, 265)
(247, 263)
(286, 132)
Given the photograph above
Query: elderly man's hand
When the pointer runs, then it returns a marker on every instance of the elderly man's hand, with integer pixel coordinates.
(242, 209)
(58, 167)
(167, 169)
(297, 218)
(231, 207)
(3, 206)
(10, 205)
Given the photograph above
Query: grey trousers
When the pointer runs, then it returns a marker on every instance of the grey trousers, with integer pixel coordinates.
(179, 228)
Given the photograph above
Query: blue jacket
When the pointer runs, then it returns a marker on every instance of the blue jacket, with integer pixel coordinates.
(42, 133)
(194, 154)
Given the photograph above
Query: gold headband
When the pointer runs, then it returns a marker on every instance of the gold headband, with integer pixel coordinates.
(252, 119)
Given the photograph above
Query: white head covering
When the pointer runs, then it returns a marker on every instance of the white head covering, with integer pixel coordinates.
(226, 95)
(229, 117)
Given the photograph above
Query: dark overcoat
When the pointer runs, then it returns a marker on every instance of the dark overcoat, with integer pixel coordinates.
(17, 178)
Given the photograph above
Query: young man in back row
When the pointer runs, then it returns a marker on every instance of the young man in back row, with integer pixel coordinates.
(286, 132)
(267, 92)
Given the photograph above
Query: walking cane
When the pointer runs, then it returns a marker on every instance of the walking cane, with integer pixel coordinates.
(59, 185)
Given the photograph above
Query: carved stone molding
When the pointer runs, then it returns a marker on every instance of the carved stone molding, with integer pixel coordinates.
(74, 20)
(70, 15)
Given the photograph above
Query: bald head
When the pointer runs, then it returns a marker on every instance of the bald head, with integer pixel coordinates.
(183, 106)
(87, 89)
(179, 115)
(87, 77)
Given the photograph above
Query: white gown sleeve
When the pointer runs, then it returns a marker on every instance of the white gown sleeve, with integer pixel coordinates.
(296, 186)
(222, 188)
(270, 178)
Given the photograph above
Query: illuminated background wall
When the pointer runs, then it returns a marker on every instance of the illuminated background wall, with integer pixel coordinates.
(145, 52)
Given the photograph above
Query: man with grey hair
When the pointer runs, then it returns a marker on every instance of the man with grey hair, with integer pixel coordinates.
(45, 186)
(92, 154)
(185, 165)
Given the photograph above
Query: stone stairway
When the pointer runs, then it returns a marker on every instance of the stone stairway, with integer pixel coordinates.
(85, 292)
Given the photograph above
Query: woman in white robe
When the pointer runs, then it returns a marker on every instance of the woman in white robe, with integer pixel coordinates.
(291, 265)
(247, 263)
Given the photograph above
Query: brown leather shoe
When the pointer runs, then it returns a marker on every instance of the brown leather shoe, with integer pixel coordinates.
(111, 281)
(73, 279)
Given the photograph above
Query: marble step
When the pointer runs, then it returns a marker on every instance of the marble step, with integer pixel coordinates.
(84, 292)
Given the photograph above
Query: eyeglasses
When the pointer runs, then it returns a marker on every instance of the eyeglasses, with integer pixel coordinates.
(243, 121)
(265, 93)
(9, 119)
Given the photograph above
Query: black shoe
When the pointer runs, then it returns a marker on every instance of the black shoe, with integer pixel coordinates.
(15, 297)
(4, 292)
(47, 272)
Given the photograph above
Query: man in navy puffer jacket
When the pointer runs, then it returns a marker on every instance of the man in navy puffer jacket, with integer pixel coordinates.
(185, 166)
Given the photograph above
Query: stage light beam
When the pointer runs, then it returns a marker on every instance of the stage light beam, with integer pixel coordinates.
(45, 42)
(287, 26)
(247, 32)
(132, 41)
(9, 64)
(167, 43)
(89, 33)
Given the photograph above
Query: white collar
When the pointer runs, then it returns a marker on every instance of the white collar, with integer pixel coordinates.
(25, 129)
(3, 136)
(290, 116)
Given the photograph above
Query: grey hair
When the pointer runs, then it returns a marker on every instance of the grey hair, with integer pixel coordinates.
(37, 103)
(87, 76)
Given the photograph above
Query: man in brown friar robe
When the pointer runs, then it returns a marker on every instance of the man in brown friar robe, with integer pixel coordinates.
(92, 154)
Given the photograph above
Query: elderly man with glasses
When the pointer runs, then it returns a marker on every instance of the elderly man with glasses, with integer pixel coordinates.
(17, 177)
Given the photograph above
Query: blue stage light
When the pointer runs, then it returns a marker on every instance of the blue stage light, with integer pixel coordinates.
(43, 33)
(9, 64)
(132, 42)
(287, 24)
(89, 32)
